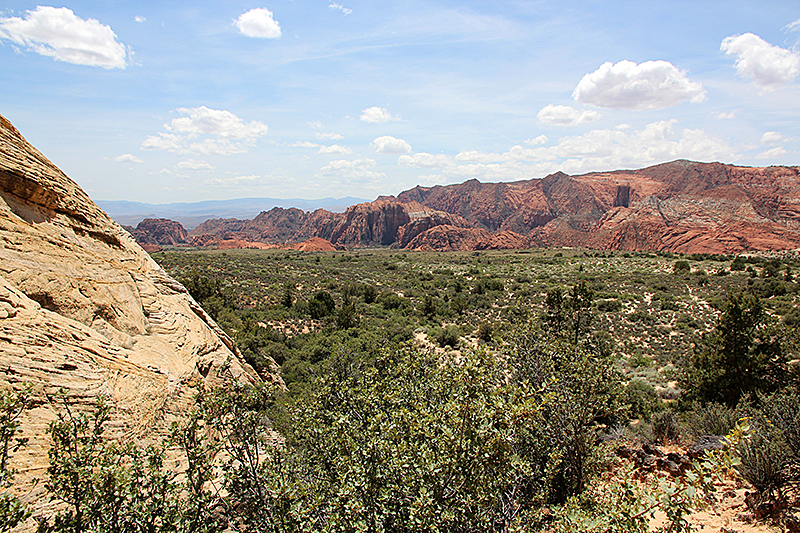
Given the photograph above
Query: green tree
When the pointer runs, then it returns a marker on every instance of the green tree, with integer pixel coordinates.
(743, 354)
(321, 305)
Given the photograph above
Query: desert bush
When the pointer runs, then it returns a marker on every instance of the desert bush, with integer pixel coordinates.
(642, 399)
(447, 336)
(12, 404)
(665, 427)
(681, 267)
(741, 355)
(321, 305)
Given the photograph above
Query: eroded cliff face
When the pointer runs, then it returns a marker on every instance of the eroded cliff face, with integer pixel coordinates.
(85, 310)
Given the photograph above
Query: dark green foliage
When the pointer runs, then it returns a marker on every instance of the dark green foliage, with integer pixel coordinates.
(665, 427)
(713, 418)
(609, 306)
(321, 305)
(642, 399)
(111, 486)
(347, 316)
(447, 336)
(12, 405)
(391, 301)
(681, 267)
(742, 355)
(288, 295)
(569, 314)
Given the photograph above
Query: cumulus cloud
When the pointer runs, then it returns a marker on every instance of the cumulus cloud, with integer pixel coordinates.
(355, 171)
(206, 131)
(769, 67)
(259, 23)
(140, 19)
(304, 144)
(424, 160)
(202, 120)
(191, 164)
(58, 33)
(772, 153)
(564, 115)
(127, 158)
(378, 115)
(340, 7)
(626, 85)
(331, 136)
(390, 145)
(541, 139)
(335, 149)
(600, 149)
(771, 137)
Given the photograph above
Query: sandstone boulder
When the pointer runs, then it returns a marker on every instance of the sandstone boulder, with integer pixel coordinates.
(85, 310)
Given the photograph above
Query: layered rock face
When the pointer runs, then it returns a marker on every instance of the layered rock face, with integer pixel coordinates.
(160, 232)
(680, 206)
(85, 310)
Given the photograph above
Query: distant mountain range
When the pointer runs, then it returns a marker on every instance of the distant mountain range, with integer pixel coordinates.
(191, 214)
(681, 206)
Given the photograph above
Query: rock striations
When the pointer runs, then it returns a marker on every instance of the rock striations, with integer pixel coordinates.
(681, 206)
(85, 310)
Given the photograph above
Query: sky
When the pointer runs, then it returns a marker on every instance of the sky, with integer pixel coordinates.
(184, 101)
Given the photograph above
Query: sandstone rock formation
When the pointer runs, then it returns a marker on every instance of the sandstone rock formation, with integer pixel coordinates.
(680, 206)
(159, 232)
(84, 309)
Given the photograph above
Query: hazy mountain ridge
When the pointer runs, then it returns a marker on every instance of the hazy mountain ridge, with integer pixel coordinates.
(190, 214)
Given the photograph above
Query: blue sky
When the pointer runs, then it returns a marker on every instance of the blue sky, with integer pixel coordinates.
(186, 101)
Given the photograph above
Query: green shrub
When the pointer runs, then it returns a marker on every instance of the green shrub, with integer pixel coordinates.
(681, 267)
(321, 305)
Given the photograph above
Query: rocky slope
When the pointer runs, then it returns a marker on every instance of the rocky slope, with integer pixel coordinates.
(85, 310)
(680, 206)
(159, 232)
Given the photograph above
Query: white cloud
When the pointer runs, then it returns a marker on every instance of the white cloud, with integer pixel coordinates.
(191, 164)
(772, 153)
(769, 67)
(793, 26)
(724, 116)
(236, 181)
(340, 7)
(424, 160)
(216, 147)
(127, 158)
(163, 141)
(564, 115)
(377, 114)
(356, 171)
(315, 125)
(258, 22)
(140, 19)
(335, 149)
(60, 34)
(626, 85)
(331, 136)
(344, 164)
(390, 145)
(304, 144)
(206, 131)
(541, 139)
(218, 122)
(596, 150)
(771, 137)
